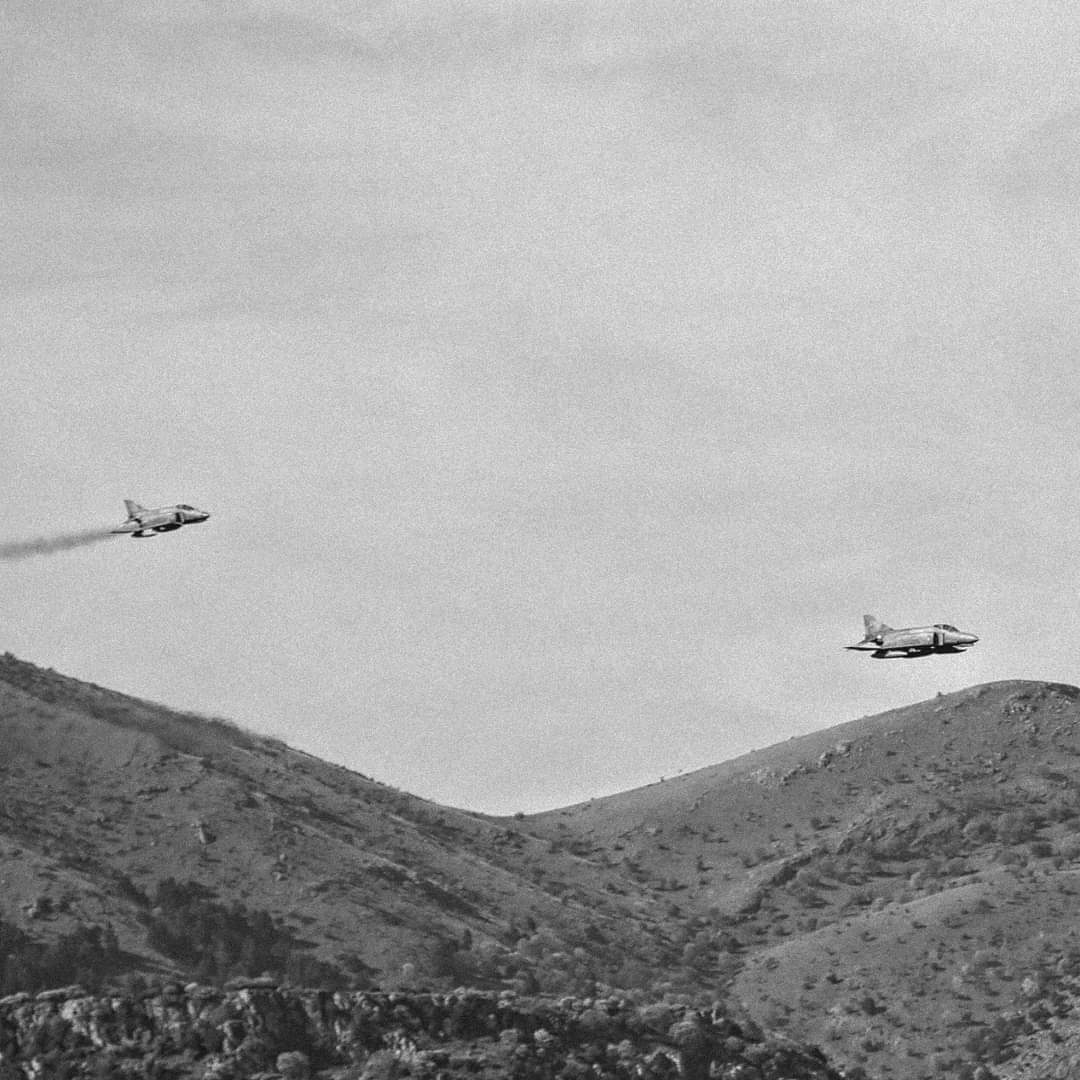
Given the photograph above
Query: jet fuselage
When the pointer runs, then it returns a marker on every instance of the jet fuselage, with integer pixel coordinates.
(882, 641)
(142, 522)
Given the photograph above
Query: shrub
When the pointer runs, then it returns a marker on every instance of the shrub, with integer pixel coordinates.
(979, 829)
(214, 942)
(88, 955)
(1015, 827)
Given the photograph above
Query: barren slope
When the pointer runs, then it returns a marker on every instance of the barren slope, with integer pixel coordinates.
(901, 890)
(99, 787)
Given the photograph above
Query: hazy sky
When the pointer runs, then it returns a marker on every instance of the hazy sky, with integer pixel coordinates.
(565, 379)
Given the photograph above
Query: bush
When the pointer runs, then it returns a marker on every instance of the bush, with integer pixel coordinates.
(89, 955)
(979, 829)
(1016, 827)
(214, 942)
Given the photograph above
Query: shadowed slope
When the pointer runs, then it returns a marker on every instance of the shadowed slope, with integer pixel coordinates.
(901, 889)
(100, 786)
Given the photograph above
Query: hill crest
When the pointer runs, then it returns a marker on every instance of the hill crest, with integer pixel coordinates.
(872, 887)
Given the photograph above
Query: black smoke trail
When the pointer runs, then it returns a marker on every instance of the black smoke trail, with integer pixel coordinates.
(50, 545)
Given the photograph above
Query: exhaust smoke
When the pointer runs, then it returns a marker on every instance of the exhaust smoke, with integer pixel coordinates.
(51, 545)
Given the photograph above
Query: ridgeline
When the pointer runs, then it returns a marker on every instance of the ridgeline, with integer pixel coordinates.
(901, 890)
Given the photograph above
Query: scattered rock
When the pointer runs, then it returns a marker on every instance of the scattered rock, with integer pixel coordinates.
(263, 1031)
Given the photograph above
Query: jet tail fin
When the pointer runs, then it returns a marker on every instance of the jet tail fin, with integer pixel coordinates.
(133, 508)
(874, 627)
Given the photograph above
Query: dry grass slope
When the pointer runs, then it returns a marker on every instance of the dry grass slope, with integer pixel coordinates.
(901, 889)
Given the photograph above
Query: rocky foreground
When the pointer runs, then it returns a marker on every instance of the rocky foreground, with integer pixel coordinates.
(266, 1031)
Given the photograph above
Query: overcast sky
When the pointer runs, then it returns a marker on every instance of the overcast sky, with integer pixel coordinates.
(565, 379)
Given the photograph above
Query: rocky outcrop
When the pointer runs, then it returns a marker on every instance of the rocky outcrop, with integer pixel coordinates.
(259, 1030)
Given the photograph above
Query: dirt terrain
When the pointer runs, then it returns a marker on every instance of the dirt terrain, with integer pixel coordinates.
(900, 890)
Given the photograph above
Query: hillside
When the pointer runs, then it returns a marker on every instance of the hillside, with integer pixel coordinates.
(903, 890)
(900, 890)
(106, 796)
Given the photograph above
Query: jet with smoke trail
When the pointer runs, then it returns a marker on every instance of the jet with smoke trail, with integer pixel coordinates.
(140, 522)
(50, 545)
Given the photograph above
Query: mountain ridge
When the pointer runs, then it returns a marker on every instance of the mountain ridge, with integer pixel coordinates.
(874, 887)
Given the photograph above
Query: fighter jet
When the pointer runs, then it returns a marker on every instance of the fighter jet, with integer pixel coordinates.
(142, 522)
(883, 641)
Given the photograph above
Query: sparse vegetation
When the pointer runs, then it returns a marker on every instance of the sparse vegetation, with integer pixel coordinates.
(925, 899)
(87, 955)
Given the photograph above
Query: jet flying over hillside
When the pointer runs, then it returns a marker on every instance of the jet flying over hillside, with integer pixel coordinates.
(143, 522)
(883, 642)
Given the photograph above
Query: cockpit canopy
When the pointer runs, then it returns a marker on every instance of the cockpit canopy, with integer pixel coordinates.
(945, 626)
(184, 506)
